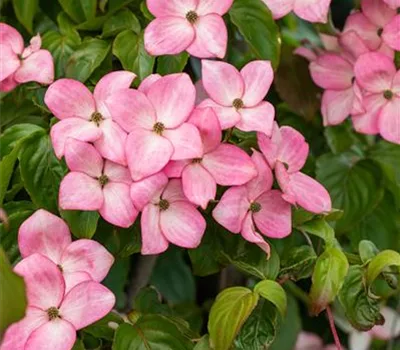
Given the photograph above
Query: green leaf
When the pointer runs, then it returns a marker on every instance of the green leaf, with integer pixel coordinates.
(172, 277)
(361, 310)
(367, 250)
(327, 279)
(354, 186)
(150, 332)
(255, 23)
(273, 292)
(79, 10)
(6, 169)
(133, 56)
(380, 262)
(340, 138)
(231, 309)
(260, 329)
(172, 64)
(122, 20)
(298, 263)
(319, 228)
(295, 86)
(88, 56)
(83, 224)
(12, 294)
(25, 12)
(148, 301)
(204, 343)
(101, 328)
(41, 171)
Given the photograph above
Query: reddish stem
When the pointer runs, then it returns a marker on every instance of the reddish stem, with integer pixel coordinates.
(333, 328)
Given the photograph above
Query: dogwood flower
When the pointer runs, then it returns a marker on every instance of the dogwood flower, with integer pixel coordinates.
(311, 11)
(192, 25)
(157, 123)
(95, 184)
(19, 65)
(237, 97)
(221, 163)
(310, 341)
(391, 33)
(85, 116)
(53, 316)
(377, 75)
(394, 4)
(255, 207)
(286, 151)
(167, 215)
(48, 235)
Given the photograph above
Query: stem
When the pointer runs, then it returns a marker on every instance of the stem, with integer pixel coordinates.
(297, 292)
(333, 328)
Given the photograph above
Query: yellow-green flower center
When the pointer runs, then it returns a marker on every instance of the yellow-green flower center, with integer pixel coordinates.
(255, 207)
(96, 118)
(192, 17)
(158, 128)
(163, 204)
(53, 313)
(237, 103)
(103, 180)
(388, 94)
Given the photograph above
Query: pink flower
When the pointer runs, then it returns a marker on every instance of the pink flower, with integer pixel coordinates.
(86, 117)
(309, 10)
(192, 25)
(377, 75)
(94, 184)
(48, 235)
(53, 316)
(286, 151)
(167, 215)
(237, 97)
(19, 65)
(156, 122)
(391, 33)
(310, 341)
(394, 4)
(255, 206)
(221, 163)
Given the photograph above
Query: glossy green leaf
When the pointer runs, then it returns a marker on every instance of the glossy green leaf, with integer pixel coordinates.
(133, 56)
(83, 224)
(273, 292)
(298, 263)
(231, 309)
(41, 171)
(361, 310)
(122, 20)
(150, 332)
(354, 186)
(79, 10)
(88, 56)
(25, 12)
(367, 250)
(327, 279)
(102, 329)
(319, 228)
(380, 262)
(12, 294)
(172, 64)
(203, 343)
(340, 138)
(255, 23)
(7, 165)
(148, 301)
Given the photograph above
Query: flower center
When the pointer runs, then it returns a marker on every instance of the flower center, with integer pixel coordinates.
(379, 32)
(96, 118)
(255, 207)
(60, 267)
(163, 204)
(103, 180)
(237, 103)
(388, 94)
(196, 160)
(398, 10)
(53, 313)
(192, 17)
(158, 128)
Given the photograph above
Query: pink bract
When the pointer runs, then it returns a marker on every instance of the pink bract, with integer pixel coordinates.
(95, 184)
(48, 235)
(156, 120)
(309, 10)
(167, 215)
(255, 207)
(286, 151)
(221, 163)
(194, 25)
(53, 315)
(86, 117)
(237, 97)
(19, 65)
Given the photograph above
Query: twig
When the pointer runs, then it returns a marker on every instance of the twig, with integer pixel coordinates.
(333, 328)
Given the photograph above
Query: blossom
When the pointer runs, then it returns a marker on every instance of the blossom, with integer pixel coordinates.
(312, 11)
(286, 151)
(86, 116)
(255, 206)
(95, 184)
(310, 341)
(394, 4)
(48, 235)
(156, 123)
(237, 97)
(53, 316)
(192, 25)
(221, 163)
(391, 33)
(167, 215)
(19, 65)
(377, 75)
